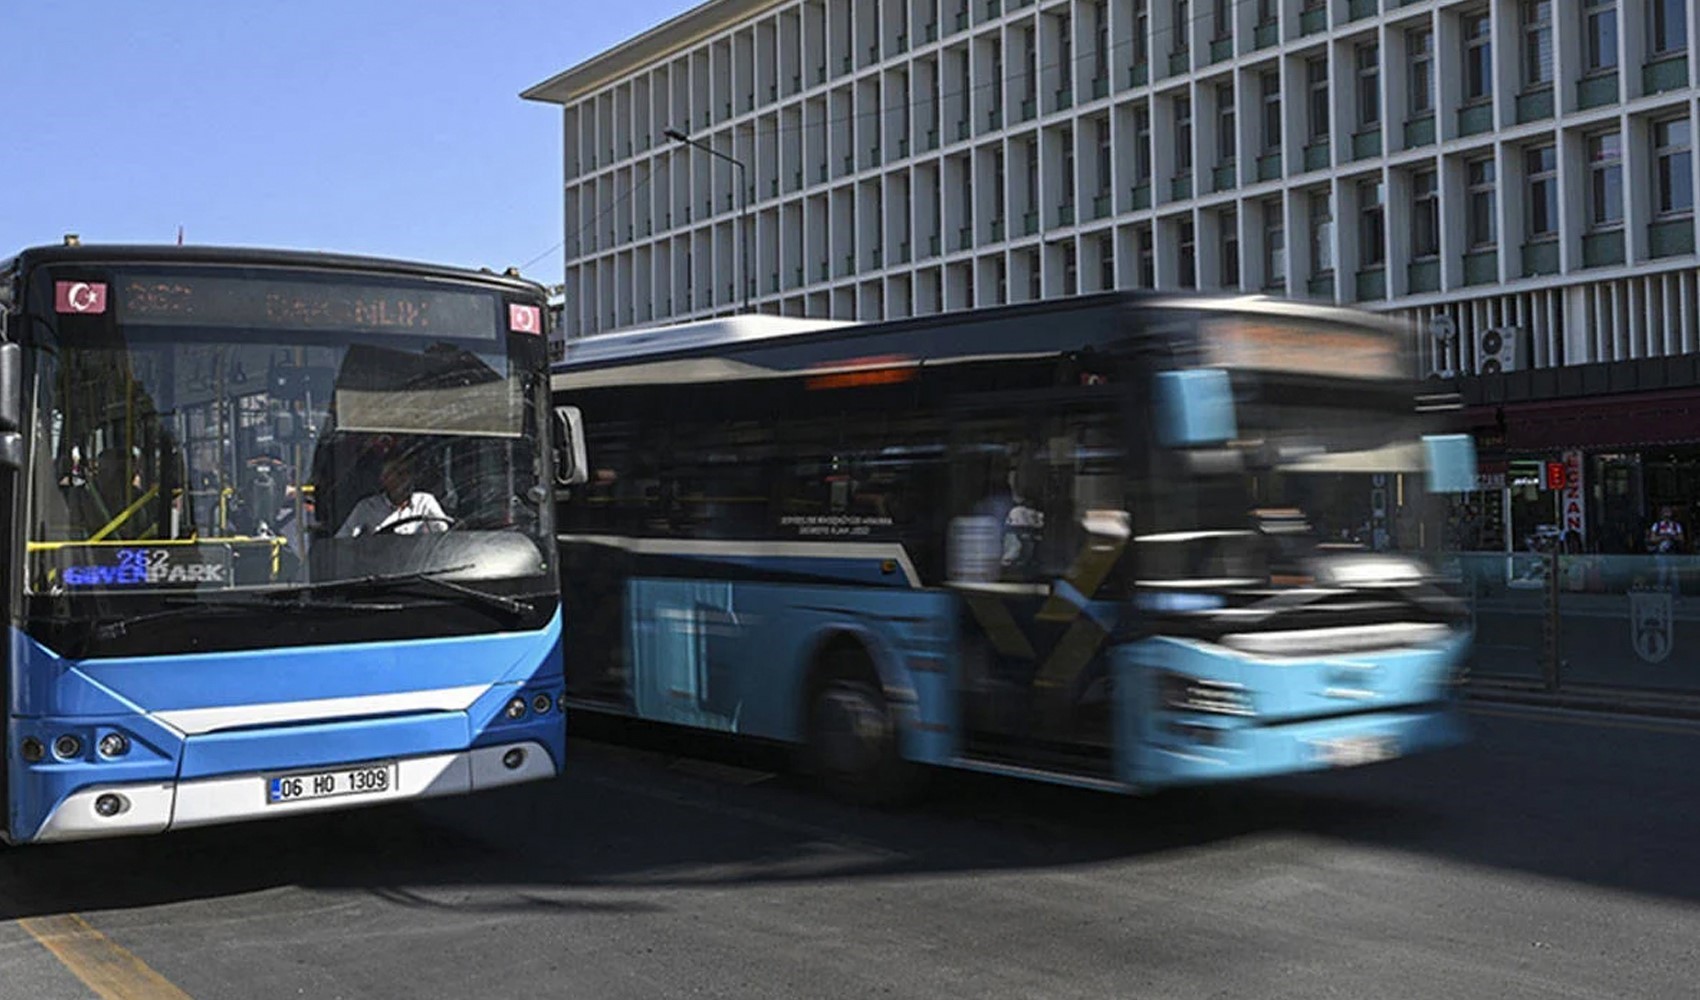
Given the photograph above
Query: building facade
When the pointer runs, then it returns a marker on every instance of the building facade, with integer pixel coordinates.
(1515, 176)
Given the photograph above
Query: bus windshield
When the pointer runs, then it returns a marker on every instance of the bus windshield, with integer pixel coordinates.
(182, 445)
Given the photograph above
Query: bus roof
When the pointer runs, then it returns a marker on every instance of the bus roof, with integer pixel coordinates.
(696, 348)
(720, 332)
(146, 253)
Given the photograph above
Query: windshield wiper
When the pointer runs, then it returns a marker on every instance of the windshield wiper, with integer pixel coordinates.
(434, 577)
(184, 606)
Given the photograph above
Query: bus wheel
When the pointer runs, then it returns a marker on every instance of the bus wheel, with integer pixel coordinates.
(853, 738)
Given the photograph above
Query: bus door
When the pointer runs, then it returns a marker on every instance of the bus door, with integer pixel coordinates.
(1037, 533)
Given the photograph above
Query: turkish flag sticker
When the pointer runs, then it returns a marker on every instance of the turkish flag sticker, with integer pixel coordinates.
(525, 319)
(79, 297)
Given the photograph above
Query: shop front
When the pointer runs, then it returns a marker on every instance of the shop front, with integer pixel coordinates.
(1579, 547)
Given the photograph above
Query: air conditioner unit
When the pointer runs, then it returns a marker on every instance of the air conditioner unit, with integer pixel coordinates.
(1497, 350)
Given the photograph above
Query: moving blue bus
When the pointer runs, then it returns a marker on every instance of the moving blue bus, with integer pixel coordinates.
(277, 536)
(1122, 542)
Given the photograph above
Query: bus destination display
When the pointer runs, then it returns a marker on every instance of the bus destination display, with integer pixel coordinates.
(281, 304)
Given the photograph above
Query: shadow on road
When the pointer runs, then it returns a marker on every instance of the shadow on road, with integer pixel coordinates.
(1613, 807)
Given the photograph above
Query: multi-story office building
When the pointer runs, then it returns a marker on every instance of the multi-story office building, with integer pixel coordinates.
(1522, 169)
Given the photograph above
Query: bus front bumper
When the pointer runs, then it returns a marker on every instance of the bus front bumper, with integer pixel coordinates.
(114, 810)
(1232, 754)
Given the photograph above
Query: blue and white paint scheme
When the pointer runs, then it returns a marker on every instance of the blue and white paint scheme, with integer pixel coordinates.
(205, 732)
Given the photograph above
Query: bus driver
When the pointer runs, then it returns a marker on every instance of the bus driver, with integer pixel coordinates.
(396, 503)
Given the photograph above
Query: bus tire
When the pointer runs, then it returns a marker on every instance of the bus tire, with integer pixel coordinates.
(852, 735)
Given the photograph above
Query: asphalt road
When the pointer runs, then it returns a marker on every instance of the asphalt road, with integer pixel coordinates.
(1556, 856)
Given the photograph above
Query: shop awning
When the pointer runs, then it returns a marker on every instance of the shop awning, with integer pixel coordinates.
(1626, 421)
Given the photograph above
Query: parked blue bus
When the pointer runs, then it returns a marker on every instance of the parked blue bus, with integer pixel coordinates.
(1120, 541)
(277, 537)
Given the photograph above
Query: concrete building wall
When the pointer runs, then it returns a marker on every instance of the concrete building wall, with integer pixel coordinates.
(1516, 166)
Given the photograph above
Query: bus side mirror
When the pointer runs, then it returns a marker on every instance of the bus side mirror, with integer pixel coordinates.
(11, 406)
(1451, 462)
(571, 465)
(1195, 407)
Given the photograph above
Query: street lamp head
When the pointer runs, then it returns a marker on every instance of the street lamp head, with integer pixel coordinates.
(676, 135)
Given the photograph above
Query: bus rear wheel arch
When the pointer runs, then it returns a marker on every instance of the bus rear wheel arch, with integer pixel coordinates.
(851, 732)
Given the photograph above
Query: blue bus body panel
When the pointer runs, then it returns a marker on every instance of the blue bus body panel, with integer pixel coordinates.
(1301, 704)
(731, 656)
(137, 697)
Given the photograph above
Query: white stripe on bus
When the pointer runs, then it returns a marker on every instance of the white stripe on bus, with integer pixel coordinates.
(756, 549)
(195, 721)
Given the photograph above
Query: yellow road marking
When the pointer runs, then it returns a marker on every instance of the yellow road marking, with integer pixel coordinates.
(105, 967)
(1550, 715)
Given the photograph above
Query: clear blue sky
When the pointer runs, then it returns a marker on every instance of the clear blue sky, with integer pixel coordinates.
(351, 125)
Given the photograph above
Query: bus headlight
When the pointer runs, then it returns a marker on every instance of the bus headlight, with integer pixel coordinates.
(33, 750)
(67, 747)
(541, 703)
(1183, 693)
(114, 745)
(515, 709)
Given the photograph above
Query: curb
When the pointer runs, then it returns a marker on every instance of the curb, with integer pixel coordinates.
(1605, 702)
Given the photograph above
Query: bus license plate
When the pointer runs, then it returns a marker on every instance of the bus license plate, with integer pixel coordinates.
(366, 779)
(1351, 751)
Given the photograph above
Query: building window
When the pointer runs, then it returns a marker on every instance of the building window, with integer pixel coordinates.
(1478, 57)
(1183, 135)
(1226, 131)
(1672, 152)
(1065, 56)
(1670, 26)
(1000, 272)
(1481, 220)
(1035, 276)
(1541, 166)
(1271, 86)
(1605, 180)
(1189, 255)
(1322, 233)
(1316, 80)
(1266, 13)
(1141, 33)
(1147, 257)
(1071, 269)
(1537, 43)
(1425, 215)
(1372, 224)
(1419, 46)
(1599, 32)
(1103, 127)
(1224, 19)
(1182, 25)
(1368, 58)
(1142, 145)
(1229, 224)
(1274, 245)
(1106, 264)
(1101, 54)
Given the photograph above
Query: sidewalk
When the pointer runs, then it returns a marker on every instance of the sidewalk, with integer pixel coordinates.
(1585, 698)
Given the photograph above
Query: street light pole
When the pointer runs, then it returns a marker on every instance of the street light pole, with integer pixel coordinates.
(744, 206)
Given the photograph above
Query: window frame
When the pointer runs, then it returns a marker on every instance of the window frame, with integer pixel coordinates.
(1227, 126)
(1320, 221)
(1663, 47)
(1183, 135)
(1537, 179)
(1317, 93)
(1274, 244)
(1372, 223)
(1601, 167)
(1598, 59)
(1271, 104)
(1481, 189)
(1368, 78)
(1425, 214)
(1536, 20)
(1419, 54)
(1478, 56)
(1228, 228)
(1663, 152)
